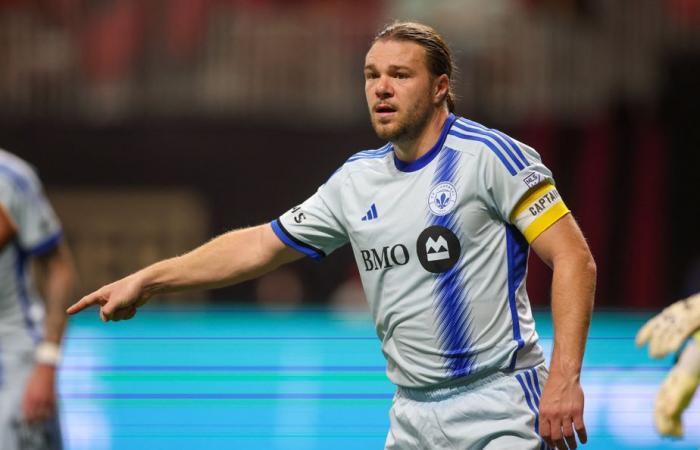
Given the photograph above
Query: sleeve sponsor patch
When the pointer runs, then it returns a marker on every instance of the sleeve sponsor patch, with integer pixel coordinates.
(538, 210)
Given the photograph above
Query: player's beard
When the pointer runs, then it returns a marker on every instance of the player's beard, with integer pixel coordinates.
(407, 126)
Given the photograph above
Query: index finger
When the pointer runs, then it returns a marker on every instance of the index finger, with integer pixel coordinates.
(88, 300)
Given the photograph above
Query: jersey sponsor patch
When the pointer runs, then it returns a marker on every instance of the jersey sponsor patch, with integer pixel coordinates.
(538, 211)
(442, 198)
(438, 249)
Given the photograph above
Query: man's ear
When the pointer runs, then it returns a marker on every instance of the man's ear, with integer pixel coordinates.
(441, 87)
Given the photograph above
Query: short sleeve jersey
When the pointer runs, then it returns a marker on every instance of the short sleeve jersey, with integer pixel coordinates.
(441, 249)
(37, 232)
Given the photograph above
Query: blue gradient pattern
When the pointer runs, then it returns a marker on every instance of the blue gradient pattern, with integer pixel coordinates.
(449, 289)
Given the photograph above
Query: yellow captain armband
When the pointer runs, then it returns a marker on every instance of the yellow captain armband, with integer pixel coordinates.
(539, 209)
(697, 336)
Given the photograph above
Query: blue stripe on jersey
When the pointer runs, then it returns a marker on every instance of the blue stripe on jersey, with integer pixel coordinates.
(370, 154)
(423, 161)
(494, 137)
(535, 410)
(536, 394)
(22, 294)
(516, 148)
(532, 389)
(286, 237)
(454, 323)
(516, 249)
(449, 288)
(446, 169)
(47, 245)
(489, 144)
(537, 381)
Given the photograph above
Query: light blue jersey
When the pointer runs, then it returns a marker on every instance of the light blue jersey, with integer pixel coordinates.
(442, 264)
(38, 231)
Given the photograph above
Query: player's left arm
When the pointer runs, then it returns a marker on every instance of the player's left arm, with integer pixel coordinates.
(57, 273)
(58, 276)
(563, 248)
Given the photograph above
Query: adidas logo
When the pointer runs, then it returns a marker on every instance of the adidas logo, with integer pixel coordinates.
(371, 214)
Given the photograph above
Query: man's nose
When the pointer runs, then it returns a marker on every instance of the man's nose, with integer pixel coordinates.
(384, 88)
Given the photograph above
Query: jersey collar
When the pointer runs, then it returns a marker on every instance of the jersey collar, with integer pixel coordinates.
(421, 162)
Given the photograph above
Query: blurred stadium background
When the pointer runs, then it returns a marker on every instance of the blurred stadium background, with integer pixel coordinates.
(157, 124)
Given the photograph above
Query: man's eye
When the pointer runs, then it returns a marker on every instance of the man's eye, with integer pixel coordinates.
(401, 76)
(370, 76)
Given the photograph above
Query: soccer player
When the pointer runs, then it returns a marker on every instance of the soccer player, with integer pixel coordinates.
(440, 221)
(30, 329)
(665, 333)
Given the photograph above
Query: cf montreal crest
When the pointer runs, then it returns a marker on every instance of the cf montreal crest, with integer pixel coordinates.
(438, 249)
(442, 199)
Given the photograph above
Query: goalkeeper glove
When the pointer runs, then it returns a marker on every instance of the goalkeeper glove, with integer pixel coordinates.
(666, 331)
(676, 392)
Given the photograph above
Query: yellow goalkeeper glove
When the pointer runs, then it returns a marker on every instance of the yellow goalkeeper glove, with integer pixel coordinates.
(666, 331)
(674, 396)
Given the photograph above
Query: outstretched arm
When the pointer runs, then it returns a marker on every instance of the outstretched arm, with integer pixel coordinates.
(563, 248)
(231, 258)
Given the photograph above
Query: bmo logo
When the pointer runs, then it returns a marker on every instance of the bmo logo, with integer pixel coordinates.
(438, 249)
(385, 258)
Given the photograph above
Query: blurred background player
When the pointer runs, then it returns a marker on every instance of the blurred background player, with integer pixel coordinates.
(665, 333)
(30, 328)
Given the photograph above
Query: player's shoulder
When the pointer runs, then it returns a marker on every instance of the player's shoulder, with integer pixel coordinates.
(362, 160)
(358, 163)
(490, 146)
(17, 172)
(371, 156)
